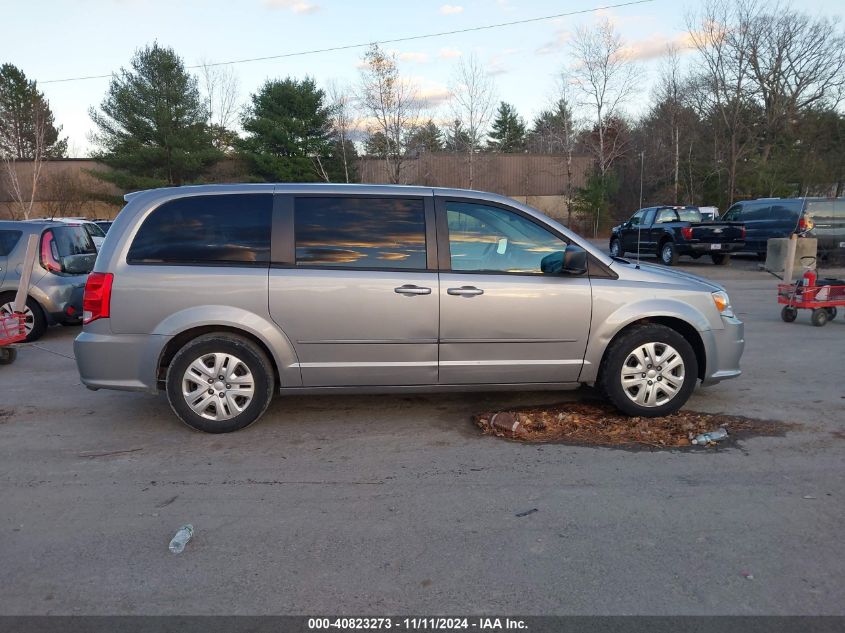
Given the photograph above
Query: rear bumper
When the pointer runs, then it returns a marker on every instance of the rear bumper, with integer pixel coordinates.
(127, 362)
(706, 247)
(724, 349)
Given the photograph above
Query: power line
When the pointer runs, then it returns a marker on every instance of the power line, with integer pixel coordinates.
(391, 41)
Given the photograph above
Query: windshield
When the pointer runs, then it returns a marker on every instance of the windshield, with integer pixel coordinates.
(689, 215)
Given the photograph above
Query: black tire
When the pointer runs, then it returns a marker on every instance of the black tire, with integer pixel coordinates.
(618, 248)
(789, 314)
(37, 323)
(762, 256)
(668, 253)
(8, 355)
(721, 259)
(819, 317)
(252, 356)
(831, 313)
(619, 351)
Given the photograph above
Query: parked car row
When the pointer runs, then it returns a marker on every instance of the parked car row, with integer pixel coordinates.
(746, 227)
(670, 232)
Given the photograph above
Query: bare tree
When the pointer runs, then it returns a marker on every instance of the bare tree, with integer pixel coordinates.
(722, 36)
(795, 62)
(669, 93)
(342, 120)
(473, 100)
(24, 190)
(221, 92)
(606, 78)
(65, 193)
(392, 104)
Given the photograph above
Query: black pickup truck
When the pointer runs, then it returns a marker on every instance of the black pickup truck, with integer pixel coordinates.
(670, 232)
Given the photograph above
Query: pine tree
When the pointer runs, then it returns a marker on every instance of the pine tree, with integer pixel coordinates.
(425, 139)
(152, 125)
(24, 115)
(288, 127)
(508, 131)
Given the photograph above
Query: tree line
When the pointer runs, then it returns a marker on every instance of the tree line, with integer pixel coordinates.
(755, 111)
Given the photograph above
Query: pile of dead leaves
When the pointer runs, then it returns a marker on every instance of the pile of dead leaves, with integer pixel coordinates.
(598, 424)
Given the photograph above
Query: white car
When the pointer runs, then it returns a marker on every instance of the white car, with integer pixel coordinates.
(97, 234)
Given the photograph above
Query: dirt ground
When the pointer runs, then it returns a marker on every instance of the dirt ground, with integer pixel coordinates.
(399, 505)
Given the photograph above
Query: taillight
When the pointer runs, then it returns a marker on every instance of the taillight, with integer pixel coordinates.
(805, 224)
(49, 257)
(742, 232)
(97, 299)
(686, 231)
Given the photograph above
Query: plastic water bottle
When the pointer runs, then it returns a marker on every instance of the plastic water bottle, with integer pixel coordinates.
(713, 436)
(177, 545)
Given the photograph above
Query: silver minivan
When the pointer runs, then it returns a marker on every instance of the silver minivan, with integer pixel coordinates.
(224, 295)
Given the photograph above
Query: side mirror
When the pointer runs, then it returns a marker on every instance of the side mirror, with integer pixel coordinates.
(572, 261)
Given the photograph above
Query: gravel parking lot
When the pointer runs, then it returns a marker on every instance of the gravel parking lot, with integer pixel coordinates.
(396, 504)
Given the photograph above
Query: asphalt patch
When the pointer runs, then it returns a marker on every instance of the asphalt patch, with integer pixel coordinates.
(602, 425)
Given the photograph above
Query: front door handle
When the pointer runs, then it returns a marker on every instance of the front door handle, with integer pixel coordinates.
(410, 289)
(465, 291)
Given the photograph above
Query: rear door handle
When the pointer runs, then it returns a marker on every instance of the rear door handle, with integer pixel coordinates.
(410, 289)
(465, 291)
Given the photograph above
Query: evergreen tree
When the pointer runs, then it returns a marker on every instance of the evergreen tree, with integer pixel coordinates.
(288, 126)
(24, 115)
(508, 131)
(553, 131)
(152, 125)
(457, 138)
(425, 139)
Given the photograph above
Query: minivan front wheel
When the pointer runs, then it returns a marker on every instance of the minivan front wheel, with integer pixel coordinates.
(219, 383)
(649, 371)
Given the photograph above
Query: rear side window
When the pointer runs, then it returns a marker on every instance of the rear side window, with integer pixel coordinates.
(223, 230)
(8, 241)
(360, 232)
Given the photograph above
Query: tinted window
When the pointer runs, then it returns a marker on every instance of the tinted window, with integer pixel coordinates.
(360, 232)
(732, 214)
(8, 240)
(752, 212)
(94, 230)
(223, 229)
(72, 240)
(635, 219)
(483, 238)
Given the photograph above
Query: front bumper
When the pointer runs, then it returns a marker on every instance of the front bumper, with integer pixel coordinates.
(724, 349)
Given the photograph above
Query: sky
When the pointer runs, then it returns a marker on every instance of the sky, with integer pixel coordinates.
(55, 39)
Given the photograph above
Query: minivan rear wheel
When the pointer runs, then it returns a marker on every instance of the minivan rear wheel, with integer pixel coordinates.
(649, 371)
(219, 383)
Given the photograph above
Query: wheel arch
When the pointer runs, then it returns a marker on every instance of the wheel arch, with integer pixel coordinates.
(682, 327)
(185, 326)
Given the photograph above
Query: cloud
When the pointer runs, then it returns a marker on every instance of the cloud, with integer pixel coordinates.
(558, 42)
(449, 53)
(411, 56)
(296, 6)
(658, 46)
(451, 9)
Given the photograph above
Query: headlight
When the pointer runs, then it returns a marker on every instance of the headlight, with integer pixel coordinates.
(723, 303)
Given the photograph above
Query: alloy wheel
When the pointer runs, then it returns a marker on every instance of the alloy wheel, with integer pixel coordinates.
(29, 317)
